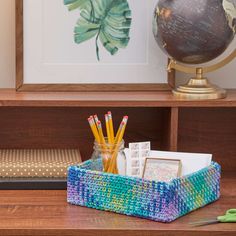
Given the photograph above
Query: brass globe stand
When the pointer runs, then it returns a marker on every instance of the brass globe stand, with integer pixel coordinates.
(199, 88)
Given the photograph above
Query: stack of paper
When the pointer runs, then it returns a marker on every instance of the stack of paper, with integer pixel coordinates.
(191, 162)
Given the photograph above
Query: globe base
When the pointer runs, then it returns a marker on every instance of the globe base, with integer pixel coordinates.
(199, 89)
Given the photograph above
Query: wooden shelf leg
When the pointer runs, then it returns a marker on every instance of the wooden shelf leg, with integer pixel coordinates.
(174, 123)
(170, 132)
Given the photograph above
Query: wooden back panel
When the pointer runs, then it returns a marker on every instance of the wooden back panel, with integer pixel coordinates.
(68, 127)
(209, 130)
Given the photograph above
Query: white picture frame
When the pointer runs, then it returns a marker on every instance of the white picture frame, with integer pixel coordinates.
(49, 59)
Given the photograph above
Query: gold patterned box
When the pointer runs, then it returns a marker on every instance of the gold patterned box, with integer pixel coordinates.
(37, 163)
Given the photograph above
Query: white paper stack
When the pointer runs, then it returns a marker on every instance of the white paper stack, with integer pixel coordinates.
(191, 162)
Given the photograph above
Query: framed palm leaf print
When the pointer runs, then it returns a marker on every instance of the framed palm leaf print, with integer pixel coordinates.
(88, 45)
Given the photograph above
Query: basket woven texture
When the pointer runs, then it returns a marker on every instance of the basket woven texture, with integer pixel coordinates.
(164, 202)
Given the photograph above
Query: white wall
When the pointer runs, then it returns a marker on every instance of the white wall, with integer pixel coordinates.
(7, 43)
(225, 77)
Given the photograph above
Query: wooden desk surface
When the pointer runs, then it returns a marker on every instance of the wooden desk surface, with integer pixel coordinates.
(47, 213)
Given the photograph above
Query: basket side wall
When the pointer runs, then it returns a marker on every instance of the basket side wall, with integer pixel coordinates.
(197, 190)
(120, 194)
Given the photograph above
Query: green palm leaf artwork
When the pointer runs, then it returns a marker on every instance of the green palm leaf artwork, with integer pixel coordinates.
(106, 20)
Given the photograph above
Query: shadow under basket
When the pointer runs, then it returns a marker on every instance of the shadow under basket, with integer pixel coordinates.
(88, 186)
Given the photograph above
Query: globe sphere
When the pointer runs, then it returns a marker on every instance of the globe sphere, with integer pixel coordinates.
(194, 31)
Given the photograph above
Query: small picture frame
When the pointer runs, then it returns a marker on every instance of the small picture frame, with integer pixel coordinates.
(163, 170)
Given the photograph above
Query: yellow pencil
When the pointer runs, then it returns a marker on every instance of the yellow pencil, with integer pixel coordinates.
(101, 136)
(108, 129)
(125, 120)
(111, 127)
(122, 132)
(96, 119)
(103, 146)
(94, 129)
(114, 151)
(113, 163)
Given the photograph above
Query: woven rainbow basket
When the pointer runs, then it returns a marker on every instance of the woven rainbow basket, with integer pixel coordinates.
(158, 201)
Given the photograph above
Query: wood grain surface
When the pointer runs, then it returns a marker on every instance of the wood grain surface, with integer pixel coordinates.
(209, 130)
(170, 129)
(47, 213)
(67, 127)
(9, 97)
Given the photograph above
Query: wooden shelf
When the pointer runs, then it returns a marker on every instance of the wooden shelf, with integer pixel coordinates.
(59, 120)
(47, 213)
(10, 98)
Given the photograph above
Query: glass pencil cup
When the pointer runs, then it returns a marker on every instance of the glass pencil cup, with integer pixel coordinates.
(112, 156)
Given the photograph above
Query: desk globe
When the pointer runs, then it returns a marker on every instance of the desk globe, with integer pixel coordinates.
(193, 32)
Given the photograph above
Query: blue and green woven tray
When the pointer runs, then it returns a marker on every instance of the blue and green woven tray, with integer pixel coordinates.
(88, 186)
